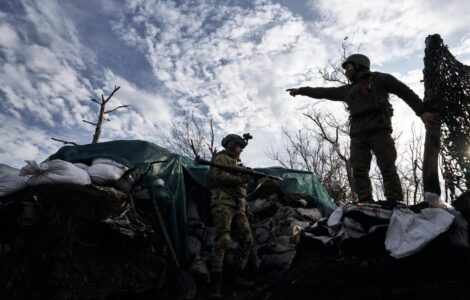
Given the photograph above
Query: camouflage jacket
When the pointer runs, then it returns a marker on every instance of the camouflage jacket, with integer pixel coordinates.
(368, 100)
(226, 188)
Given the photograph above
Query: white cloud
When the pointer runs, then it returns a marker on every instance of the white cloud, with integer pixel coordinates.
(390, 29)
(220, 60)
(21, 142)
(237, 70)
(8, 38)
(37, 73)
(148, 117)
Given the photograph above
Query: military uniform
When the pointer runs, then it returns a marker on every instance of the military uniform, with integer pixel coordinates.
(367, 98)
(228, 210)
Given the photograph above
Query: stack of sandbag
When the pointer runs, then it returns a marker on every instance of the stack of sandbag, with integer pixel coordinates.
(274, 246)
(70, 241)
(200, 241)
(54, 172)
(101, 172)
(10, 180)
(401, 230)
(382, 251)
(275, 228)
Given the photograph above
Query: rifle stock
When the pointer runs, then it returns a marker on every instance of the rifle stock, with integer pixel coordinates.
(234, 169)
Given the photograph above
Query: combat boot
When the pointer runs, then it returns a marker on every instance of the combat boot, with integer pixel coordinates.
(215, 291)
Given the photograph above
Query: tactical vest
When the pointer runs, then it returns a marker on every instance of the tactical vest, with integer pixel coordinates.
(364, 98)
(211, 182)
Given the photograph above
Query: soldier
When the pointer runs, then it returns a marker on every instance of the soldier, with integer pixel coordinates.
(367, 97)
(228, 211)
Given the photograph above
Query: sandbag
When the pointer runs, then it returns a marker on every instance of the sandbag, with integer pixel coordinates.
(310, 214)
(281, 261)
(194, 245)
(199, 269)
(409, 232)
(54, 172)
(106, 161)
(102, 174)
(10, 180)
(258, 205)
(82, 166)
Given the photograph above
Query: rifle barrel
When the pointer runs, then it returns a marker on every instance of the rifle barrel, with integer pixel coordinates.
(234, 169)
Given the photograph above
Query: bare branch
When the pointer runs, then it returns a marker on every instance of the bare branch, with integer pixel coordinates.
(334, 72)
(96, 101)
(114, 109)
(191, 131)
(212, 148)
(102, 112)
(116, 88)
(65, 142)
(94, 124)
(194, 149)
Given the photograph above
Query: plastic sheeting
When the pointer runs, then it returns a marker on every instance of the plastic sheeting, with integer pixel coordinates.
(407, 232)
(140, 155)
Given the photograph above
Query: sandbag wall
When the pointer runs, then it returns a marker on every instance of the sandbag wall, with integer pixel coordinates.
(275, 227)
(62, 238)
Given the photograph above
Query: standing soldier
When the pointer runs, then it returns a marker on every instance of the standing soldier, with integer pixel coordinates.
(367, 97)
(228, 211)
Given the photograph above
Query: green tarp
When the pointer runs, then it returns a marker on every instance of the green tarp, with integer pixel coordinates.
(141, 154)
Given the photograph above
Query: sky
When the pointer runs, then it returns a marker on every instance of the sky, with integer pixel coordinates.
(229, 61)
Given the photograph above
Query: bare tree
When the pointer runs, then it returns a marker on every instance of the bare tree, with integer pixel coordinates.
(411, 169)
(308, 149)
(101, 117)
(192, 130)
(334, 71)
(304, 150)
(102, 112)
(329, 129)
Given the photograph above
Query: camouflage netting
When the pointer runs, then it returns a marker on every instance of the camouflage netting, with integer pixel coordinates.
(447, 91)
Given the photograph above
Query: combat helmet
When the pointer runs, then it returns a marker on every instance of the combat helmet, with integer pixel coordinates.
(357, 59)
(232, 140)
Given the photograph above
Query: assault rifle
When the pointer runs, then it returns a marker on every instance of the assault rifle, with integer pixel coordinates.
(234, 169)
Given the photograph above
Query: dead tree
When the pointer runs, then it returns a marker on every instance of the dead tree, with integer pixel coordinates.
(102, 112)
(305, 151)
(410, 167)
(447, 92)
(192, 131)
(334, 72)
(101, 117)
(325, 123)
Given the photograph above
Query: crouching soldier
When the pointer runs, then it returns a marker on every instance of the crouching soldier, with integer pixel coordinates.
(228, 212)
(367, 97)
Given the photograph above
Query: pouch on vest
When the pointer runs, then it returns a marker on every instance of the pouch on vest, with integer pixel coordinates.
(362, 98)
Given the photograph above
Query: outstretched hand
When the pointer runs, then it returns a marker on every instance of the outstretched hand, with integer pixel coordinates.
(293, 92)
(430, 118)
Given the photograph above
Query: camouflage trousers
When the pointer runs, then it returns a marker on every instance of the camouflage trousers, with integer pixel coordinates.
(226, 217)
(383, 146)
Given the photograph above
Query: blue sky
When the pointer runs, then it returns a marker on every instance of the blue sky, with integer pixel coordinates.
(229, 61)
